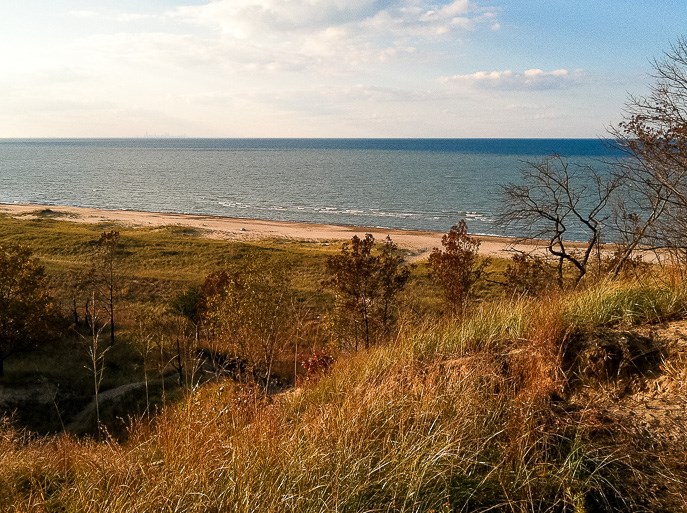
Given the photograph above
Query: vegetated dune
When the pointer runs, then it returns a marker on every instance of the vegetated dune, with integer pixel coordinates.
(572, 402)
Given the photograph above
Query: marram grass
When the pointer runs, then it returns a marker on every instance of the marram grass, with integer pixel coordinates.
(618, 303)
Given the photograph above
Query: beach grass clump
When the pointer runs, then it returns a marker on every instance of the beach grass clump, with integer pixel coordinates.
(446, 443)
(613, 303)
(418, 441)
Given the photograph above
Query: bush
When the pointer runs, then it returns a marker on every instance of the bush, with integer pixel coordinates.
(366, 285)
(529, 275)
(248, 313)
(457, 267)
(27, 314)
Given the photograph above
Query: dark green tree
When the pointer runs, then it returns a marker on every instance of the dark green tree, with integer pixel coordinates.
(27, 316)
(393, 275)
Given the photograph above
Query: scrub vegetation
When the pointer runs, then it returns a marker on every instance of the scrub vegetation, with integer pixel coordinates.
(158, 370)
(231, 387)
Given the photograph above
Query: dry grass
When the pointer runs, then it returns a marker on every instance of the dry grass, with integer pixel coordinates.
(461, 416)
(465, 414)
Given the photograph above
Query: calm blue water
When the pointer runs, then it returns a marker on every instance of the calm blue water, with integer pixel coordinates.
(399, 183)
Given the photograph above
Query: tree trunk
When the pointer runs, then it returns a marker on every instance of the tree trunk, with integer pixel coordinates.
(112, 322)
(367, 331)
(75, 312)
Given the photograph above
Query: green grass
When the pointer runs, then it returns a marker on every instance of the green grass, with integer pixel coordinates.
(168, 253)
(157, 265)
(617, 303)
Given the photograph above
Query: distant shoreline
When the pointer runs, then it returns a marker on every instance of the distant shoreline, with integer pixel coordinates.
(419, 243)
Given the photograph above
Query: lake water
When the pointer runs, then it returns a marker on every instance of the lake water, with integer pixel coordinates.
(425, 184)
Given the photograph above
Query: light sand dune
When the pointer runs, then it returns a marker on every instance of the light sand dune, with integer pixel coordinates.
(419, 243)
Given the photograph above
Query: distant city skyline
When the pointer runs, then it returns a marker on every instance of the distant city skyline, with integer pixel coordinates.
(329, 68)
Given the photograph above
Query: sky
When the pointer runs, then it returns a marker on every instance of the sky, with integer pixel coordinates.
(326, 68)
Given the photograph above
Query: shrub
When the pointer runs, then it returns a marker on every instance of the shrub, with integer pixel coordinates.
(248, 312)
(317, 364)
(457, 267)
(529, 275)
(27, 314)
(366, 285)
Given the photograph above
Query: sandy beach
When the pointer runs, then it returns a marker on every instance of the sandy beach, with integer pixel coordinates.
(419, 243)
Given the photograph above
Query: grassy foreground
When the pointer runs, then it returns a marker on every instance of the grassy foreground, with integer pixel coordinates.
(571, 402)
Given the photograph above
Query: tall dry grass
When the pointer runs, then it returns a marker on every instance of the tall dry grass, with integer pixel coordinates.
(459, 415)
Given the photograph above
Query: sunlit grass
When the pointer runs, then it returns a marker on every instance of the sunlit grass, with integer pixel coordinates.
(436, 421)
(621, 303)
(452, 414)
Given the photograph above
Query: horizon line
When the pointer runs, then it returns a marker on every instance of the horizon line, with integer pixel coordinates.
(82, 138)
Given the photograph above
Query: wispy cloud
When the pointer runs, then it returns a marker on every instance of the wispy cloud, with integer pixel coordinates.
(110, 16)
(327, 38)
(133, 17)
(241, 18)
(377, 94)
(278, 67)
(531, 79)
(348, 34)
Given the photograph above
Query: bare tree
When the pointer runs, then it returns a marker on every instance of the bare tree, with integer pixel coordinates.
(558, 203)
(653, 135)
(104, 277)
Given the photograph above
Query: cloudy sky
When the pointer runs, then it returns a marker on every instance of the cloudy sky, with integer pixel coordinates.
(326, 68)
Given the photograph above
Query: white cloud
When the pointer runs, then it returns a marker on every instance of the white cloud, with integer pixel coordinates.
(345, 33)
(244, 18)
(277, 68)
(264, 37)
(530, 79)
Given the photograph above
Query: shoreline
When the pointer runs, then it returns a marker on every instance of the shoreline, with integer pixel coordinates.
(419, 243)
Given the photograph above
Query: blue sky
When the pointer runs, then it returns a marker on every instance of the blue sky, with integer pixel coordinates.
(327, 68)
